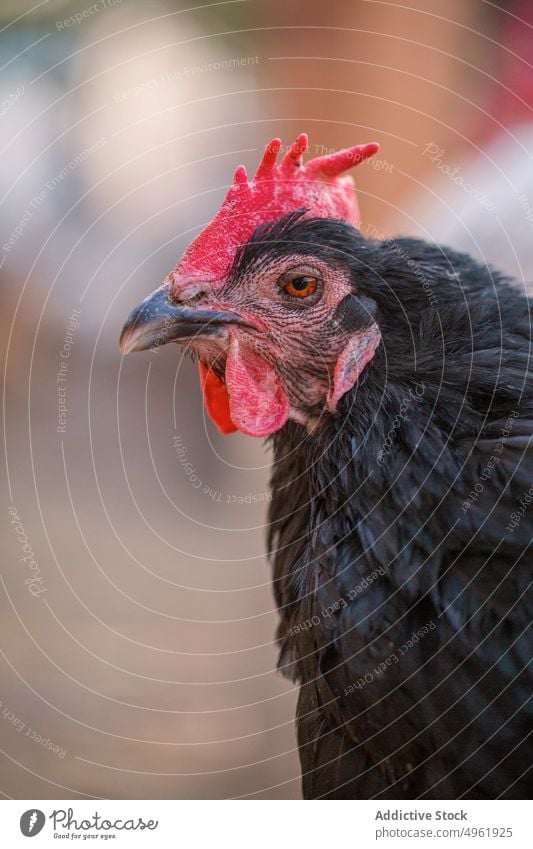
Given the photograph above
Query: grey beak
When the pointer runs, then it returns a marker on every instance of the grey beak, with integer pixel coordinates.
(159, 319)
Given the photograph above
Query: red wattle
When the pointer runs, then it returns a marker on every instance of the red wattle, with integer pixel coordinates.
(258, 401)
(216, 400)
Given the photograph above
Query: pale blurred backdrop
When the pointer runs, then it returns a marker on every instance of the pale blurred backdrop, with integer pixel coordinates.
(136, 645)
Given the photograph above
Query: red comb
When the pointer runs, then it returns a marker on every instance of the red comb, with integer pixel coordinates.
(274, 191)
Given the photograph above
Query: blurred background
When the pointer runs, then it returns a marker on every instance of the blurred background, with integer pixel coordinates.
(136, 638)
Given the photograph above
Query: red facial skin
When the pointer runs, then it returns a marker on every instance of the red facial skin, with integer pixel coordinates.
(295, 362)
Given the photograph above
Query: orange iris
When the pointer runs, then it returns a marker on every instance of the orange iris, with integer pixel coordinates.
(302, 286)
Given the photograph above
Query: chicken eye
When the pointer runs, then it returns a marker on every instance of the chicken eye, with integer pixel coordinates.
(302, 287)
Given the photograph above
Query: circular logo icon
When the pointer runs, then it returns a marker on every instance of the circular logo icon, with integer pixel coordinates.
(32, 822)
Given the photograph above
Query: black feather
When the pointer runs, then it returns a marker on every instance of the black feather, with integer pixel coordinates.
(402, 585)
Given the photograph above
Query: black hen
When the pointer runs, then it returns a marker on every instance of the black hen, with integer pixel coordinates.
(401, 532)
(400, 517)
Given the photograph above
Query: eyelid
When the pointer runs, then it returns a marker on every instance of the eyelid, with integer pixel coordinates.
(301, 271)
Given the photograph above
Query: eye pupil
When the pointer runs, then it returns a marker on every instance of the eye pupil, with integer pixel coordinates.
(301, 283)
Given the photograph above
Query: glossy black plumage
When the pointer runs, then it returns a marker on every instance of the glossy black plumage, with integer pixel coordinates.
(394, 519)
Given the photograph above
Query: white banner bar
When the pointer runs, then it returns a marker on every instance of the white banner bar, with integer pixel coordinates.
(266, 824)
